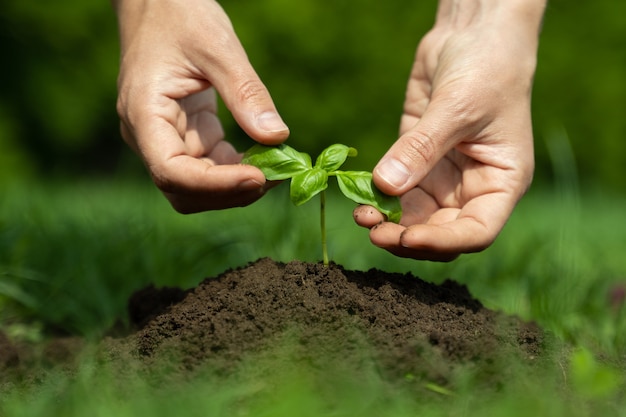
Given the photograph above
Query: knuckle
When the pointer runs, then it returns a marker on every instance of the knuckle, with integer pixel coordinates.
(124, 96)
(418, 146)
(120, 107)
(251, 90)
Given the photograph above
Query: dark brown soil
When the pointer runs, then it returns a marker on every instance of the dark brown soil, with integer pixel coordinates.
(402, 326)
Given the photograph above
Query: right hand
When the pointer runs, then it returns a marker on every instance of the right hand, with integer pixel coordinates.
(465, 153)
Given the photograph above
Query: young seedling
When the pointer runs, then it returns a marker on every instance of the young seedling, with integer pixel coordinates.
(307, 180)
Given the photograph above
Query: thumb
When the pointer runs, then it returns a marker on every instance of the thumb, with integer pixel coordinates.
(416, 152)
(251, 105)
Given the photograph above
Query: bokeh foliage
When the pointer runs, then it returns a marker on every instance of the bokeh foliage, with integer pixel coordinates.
(337, 71)
(57, 108)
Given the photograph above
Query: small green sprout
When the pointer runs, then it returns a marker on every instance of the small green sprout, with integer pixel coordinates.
(307, 180)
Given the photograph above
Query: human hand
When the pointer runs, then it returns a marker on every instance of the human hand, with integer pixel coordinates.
(174, 55)
(465, 153)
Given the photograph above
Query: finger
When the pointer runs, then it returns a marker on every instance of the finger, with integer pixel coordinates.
(460, 236)
(192, 185)
(246, 96)
(471, 229)
(196, 182)
(388, 236)
(204, 138)
(448, 232)
(415, 153)
(367, 216)
(253, 109)
(418, 206)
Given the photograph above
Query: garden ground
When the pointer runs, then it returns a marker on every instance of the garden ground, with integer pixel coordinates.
(413, 332)
(298, 338)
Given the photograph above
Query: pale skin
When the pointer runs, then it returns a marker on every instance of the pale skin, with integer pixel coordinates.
(175, 54)
(465, 152)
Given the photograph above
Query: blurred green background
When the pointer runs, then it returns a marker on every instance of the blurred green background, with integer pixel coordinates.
(337, 71)
(82, 234)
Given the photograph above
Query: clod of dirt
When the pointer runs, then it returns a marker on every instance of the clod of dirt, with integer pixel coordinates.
(405, 326)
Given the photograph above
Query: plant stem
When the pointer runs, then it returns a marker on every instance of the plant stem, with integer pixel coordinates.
(323, 226)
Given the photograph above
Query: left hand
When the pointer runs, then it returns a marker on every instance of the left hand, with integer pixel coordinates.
(176, 55)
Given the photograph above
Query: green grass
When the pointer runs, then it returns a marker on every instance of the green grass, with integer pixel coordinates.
(70, 254)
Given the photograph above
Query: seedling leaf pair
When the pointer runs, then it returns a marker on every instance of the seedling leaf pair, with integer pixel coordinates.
(307, 180)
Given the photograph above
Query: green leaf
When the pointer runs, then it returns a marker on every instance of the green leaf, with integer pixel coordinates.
(359, 187)
(438, 389)
(334, 156)
(592, 378)
(306, 185)
(277, 162)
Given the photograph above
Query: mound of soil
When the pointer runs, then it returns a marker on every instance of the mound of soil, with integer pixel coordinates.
(402, 325)
(410, 327)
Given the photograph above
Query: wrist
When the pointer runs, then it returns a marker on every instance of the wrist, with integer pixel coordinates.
(510, 28)
(458, 14)
(128, 17)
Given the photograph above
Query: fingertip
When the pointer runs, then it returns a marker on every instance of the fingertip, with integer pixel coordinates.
(270, 129)
(253, 108)
(211, 187)
(250, 184)
(367, 216)
(271, 123)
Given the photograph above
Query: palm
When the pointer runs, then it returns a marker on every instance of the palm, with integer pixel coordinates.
(452, 183)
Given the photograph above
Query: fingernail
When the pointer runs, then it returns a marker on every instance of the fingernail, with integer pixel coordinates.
(250, 185)
(393, 172)
(271, 122)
